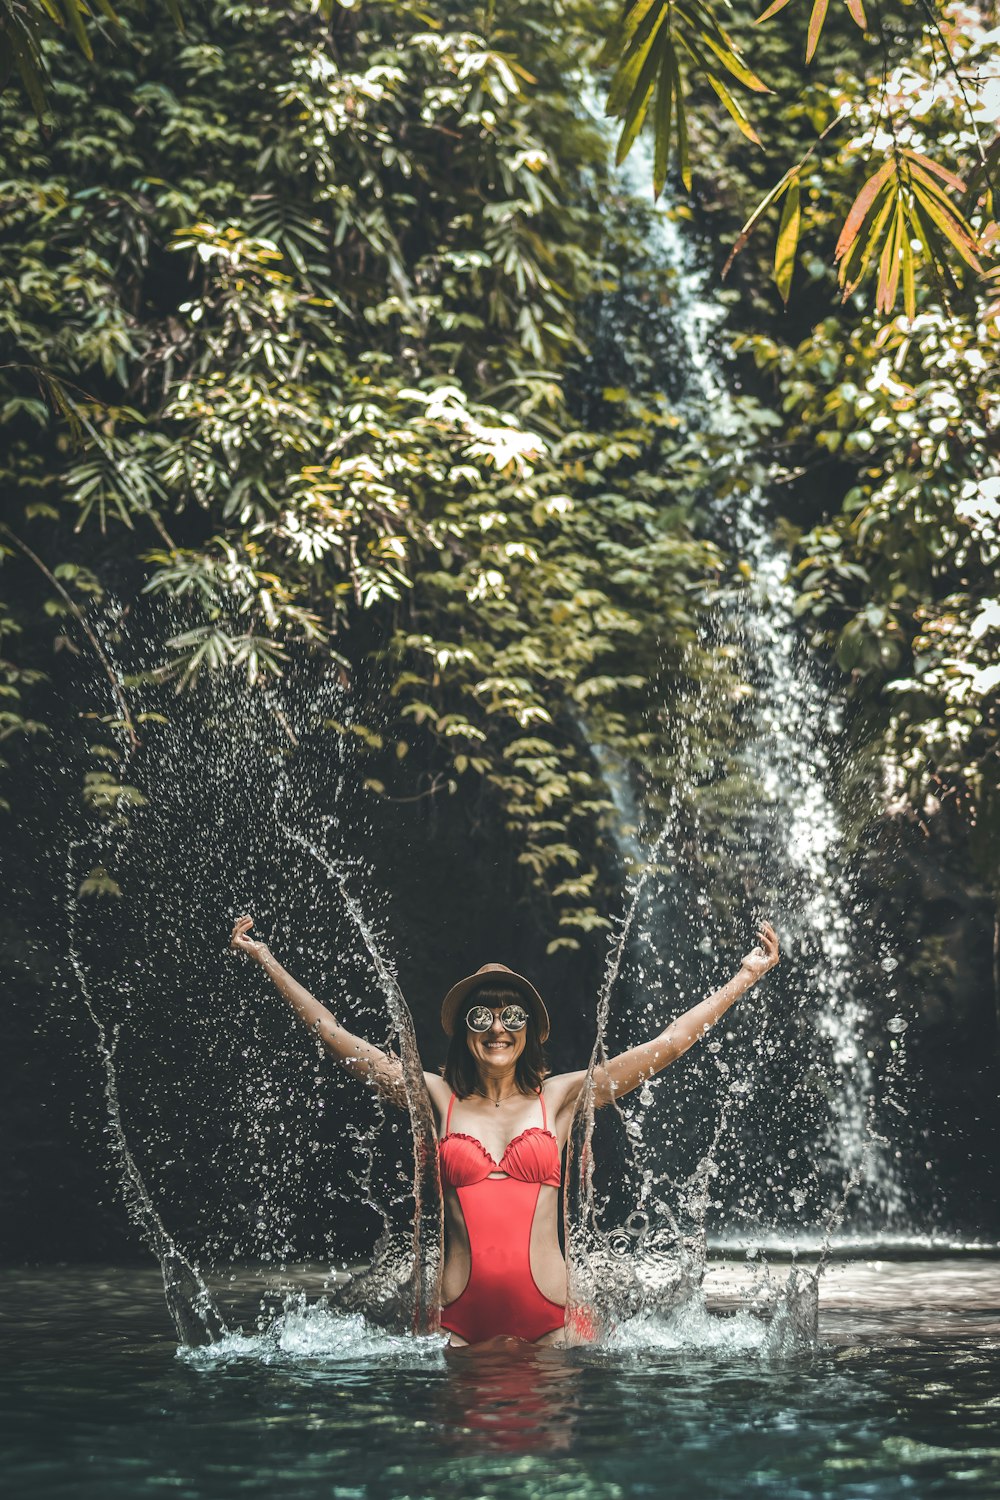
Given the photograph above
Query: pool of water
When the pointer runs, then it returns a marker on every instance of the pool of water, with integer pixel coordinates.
(899, 1397)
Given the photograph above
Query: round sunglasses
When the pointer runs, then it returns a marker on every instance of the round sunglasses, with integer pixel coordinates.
(512, 1018)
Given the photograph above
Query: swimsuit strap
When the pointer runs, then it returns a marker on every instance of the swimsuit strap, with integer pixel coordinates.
(545, 1118)
(447, 1123)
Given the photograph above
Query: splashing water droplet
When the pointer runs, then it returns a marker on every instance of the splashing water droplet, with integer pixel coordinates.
(897, 1025)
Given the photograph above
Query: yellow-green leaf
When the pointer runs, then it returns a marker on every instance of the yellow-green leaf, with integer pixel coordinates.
(772, 10)
(861, 206)
(662, 124)
(682, 129)
(816, 20)
(909, 289)
(765, 203)
(635, 112)
(788, 240)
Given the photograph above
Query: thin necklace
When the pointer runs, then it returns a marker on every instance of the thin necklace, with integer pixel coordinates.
(501, 1100)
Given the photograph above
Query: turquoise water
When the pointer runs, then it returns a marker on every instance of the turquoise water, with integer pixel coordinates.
(900, 1397)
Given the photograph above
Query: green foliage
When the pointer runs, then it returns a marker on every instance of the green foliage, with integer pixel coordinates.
(654, 46)
(315, 291)
(885, 457)
(24, 25)
(904, 222)
(902, 583)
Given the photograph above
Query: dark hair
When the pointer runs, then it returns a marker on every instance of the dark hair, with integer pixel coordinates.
(460, 1071)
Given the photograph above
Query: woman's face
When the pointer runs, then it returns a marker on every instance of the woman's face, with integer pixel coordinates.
(496, 1050)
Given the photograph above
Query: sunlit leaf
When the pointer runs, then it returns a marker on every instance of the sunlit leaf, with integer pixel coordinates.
(788, 240)
(774, 196)
(816, 21)
(861, 206)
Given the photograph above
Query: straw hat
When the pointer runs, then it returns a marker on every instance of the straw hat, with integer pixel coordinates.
(458, 992)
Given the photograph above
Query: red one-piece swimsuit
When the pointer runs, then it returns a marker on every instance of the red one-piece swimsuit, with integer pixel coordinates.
(500, 1296)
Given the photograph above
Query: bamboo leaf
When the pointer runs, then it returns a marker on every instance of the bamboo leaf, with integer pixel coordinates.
(74, 20)
(909, 288)
(933, 250)
(682, 129)
(864, 248)
(816, 21)
(29, 63)
(888, 279)
(638, 104)
(788, 240)
(620, 38)
(710, 34)
(662, 121)
(712, 79)
(627, 74)
(733, 107)
(883, 266)
(897, 256)
(734, 64)
(772, 10)
(952, 229)
(765, 203)
(857, 13)
(861, 205)
(962, 232)
(930, 165)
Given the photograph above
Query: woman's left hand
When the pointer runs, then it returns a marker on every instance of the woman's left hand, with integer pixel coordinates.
(764, 956)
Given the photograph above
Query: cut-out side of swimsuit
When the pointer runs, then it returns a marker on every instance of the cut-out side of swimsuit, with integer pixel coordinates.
(501, 1295)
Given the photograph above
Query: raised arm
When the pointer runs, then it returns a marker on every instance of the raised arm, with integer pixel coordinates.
(629, 1069)
(365, 1061)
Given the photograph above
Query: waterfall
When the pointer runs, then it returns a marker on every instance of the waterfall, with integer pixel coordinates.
(792, 841)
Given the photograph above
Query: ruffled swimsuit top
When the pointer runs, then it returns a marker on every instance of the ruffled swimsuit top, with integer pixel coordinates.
(532, 1156)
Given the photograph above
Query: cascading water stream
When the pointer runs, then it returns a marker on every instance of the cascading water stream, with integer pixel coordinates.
(794, 838)
(623, 1283)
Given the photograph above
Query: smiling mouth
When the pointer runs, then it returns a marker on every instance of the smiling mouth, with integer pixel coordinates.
(496, 1046)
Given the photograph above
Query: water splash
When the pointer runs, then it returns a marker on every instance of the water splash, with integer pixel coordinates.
(307, 1330)
(418, 1278)
(190, 1303)
(602, 1287)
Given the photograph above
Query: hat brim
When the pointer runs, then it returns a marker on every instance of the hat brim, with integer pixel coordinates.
(497, 974)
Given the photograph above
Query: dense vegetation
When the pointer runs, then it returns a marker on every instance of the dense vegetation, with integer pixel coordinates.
(311, 294)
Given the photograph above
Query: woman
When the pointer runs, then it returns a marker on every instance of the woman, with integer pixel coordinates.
(502, 1124)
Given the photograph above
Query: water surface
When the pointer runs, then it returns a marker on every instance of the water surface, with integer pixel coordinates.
(899, 1397)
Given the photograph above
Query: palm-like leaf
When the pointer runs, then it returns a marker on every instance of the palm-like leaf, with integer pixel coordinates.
(656, 47)
(907, 199)
(817, 19)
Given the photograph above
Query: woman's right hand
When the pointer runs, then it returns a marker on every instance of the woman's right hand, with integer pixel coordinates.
(242, 942)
